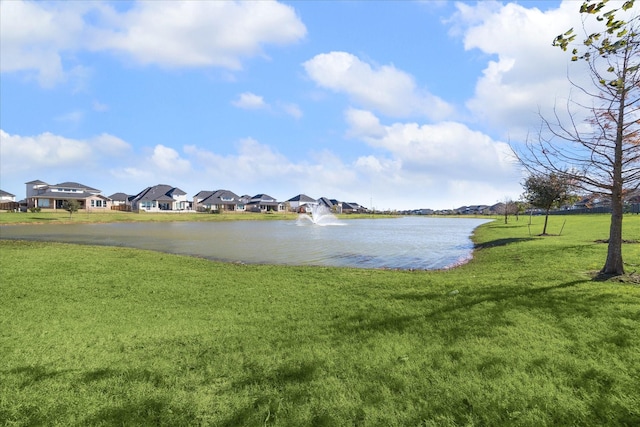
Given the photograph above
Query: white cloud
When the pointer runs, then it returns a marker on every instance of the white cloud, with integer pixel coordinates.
(374, 165)
(384, 89)
(292, 110)
(41, 152)
(446, 149)
(111, 146)
(54, 158)
(73, 117)
(34, 36)
(250, 101)
(199, 33)
(437, 166)
(99, 107)
(136, 179)
(168, 161)
(363, 123)
(528, 76)
(42, 38)
(253, 162)
(257, 168)
(443, 153)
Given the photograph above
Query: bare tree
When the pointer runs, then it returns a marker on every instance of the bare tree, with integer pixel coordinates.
(507, 207)
(600, 154)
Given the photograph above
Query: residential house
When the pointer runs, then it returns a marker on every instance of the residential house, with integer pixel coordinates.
(218, 201)
(8, 201)
(592, 201)
(333, 205)
(424, 211)
(301, 203)
(7, 197)
(264, 203)
(352, 207)
(480, 209)
(121, 201)
(160, 198)
(45, 196)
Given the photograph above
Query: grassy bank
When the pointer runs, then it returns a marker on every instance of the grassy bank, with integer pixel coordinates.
(520, 336)
(61, 217)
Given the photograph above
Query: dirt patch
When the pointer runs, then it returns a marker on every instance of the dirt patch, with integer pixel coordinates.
(632, 278)
(623, 241)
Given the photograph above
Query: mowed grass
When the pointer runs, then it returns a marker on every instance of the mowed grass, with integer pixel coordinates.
(63, 217)
(520, 336)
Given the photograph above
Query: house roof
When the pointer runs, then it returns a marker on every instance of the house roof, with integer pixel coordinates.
(68, 184)
(5, 194)
(203, 194)
(221, 197)
(75, 185)
(325, 201)
(350, 205)
(160, 192)
(119, 197)
(263, 199)
(79, 195)
(301, 198)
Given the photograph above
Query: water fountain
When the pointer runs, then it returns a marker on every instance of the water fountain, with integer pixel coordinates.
(319, 215)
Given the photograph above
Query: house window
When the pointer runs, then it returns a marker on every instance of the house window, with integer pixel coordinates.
(43, 203)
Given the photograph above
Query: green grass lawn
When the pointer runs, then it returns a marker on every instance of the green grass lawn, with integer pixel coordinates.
(520, 336)
(63, 217)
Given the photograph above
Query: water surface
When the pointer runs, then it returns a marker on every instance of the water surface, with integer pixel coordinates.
(399, 243)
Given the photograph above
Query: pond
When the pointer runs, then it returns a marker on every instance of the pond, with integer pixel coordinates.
(395, 243)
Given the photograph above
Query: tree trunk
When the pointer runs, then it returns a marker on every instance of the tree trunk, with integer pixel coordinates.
(614, 265)
(546, 218)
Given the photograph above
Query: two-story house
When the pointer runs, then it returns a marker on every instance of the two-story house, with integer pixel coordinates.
(46, 196)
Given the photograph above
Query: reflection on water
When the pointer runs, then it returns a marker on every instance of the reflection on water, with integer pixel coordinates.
(402, 243)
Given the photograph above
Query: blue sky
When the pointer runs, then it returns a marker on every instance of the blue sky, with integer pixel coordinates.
(395, 104)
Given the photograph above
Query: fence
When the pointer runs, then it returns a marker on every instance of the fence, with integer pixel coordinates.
(9, 206)
(629, 208)
(125, 208)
